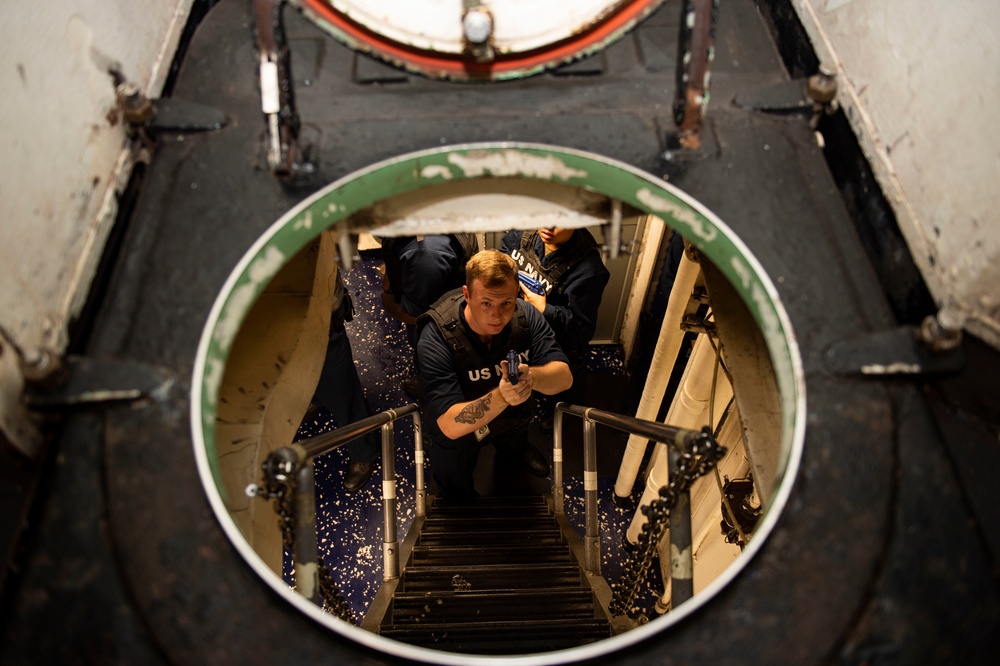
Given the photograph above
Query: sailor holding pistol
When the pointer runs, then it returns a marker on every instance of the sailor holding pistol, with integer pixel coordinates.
(462, 351)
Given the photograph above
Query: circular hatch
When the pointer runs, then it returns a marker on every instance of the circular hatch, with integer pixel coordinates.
(510, 165)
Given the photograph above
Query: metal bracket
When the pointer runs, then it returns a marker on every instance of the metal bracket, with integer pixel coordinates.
(695, 317)
(898, 351)
(679, 149)
(176, 115)
(695, 323)
(814, 95)
(738, 506)
(783, 97)
(166, 114)
(88, 382)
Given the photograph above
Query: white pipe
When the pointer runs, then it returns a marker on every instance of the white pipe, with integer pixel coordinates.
(662, 364)
(723, 394)
(652, 235)
(689, 409)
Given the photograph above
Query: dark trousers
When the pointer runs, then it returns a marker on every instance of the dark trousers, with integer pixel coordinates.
(454, 464)
(339, 392)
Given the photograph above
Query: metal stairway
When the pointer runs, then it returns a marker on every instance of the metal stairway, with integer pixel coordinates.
(494, 576)
(497, 576)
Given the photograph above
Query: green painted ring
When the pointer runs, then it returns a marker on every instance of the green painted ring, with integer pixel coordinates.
(405, 173)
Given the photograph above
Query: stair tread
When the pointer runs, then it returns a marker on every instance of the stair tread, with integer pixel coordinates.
(486, 543)
(576, 625)
(546, 528)
(493, 576)
(485, 509)
(457, 557)
(524, 624)
(492, 500)
(469, 538)
(450, 578)
(439, 520)
(544, 592)
(530, 569)
(491, 606)
(494, 549)
(507, 637)
(474, 566)
(479, 530)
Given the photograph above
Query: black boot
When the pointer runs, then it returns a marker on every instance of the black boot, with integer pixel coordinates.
(357, 475)
(534, 461)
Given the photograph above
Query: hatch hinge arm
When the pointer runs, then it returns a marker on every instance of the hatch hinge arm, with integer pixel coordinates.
(696, 50)
(53, 383)
(815, 96)
(927, 349)
(277, 92)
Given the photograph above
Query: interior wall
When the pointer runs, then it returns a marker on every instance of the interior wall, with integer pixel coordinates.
(65, 155)
(918, 83)
(65, 150)
(610, 316)
(270, 377)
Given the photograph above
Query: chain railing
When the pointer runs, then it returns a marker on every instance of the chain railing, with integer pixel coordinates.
(289, 482)
(692, 454)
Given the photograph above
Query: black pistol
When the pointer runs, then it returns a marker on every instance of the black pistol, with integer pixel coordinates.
(512, 369)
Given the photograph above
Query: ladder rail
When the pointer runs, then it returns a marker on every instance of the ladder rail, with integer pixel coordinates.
(297, 461)
(677, 439)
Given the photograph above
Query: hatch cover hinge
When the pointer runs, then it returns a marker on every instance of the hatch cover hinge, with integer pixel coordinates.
(77, 381)
(907, 350)
(815, 95)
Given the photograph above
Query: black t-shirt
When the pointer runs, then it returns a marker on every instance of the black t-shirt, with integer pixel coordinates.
(439, 368)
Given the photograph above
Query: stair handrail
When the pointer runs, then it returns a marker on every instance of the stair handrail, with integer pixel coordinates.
(677, 439)
(296, 462)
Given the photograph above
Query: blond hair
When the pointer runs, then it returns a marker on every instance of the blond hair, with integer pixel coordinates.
(492, 267)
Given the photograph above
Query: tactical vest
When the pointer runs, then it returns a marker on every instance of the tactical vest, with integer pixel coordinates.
(477, 373)
(551, 277)
(468, 245)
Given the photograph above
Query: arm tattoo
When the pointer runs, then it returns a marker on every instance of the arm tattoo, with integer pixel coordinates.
(475, 410)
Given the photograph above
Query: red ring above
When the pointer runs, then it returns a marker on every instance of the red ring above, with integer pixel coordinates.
(461, 68)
